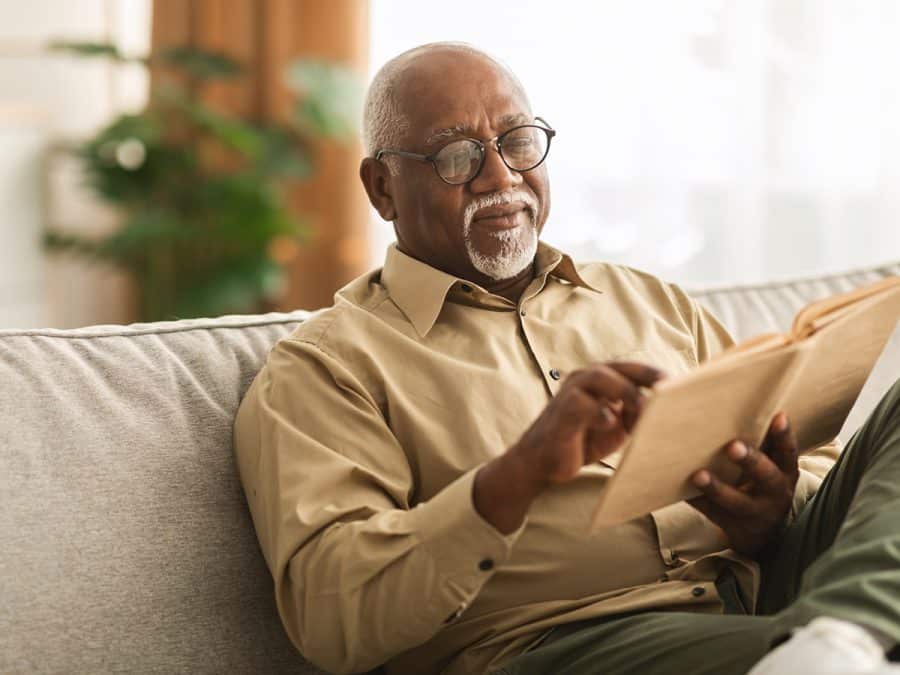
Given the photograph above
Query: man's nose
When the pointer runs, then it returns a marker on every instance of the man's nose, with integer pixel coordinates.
(495, 176)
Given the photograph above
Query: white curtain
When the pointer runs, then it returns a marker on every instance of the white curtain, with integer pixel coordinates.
(705, 141)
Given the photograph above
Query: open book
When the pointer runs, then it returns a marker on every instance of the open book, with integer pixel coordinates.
(813, 373)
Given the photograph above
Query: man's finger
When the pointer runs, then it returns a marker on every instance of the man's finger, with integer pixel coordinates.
(714, 512)
(630, 414)
(732, 500)
(645, 376)
(641, 374)
(620, 381)
(782, 444)
(605, 383)
(603, 437)
(757, 467)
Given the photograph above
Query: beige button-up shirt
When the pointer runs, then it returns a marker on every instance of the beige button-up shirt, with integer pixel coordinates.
(358, 442)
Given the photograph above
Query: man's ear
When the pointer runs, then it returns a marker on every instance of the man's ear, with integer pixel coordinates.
(376, 179)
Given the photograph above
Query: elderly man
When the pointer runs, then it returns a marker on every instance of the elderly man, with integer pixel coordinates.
(421, 460)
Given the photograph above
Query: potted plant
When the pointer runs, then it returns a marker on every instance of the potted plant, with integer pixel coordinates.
(205, 228)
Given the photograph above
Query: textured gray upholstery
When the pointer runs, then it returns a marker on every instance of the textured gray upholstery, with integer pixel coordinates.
(125, 543)
(763, 308)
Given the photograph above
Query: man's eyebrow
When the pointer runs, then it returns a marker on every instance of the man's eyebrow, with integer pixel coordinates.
(511, 120)
(515, 119)
(447, 132)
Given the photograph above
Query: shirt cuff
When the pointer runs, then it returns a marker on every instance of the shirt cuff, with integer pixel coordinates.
(807, 485)
(464, 548)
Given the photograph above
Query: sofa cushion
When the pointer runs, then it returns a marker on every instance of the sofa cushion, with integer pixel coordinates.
(125, 542)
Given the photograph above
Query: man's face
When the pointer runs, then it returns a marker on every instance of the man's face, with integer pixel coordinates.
(485, 230)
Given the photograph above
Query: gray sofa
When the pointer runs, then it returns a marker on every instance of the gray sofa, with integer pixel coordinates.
(125, 542)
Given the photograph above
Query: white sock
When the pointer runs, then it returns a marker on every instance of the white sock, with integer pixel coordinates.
(828, 646)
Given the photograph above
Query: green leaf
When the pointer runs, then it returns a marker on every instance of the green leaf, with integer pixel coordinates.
(90, 49)
(231, 131)
(199, 63)
(283, 155)
(329, 98)
(143, 231)
(115, 173)
(61, 241)
(245, 211)
(234, 288)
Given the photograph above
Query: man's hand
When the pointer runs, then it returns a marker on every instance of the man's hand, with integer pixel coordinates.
(588, 419)
(752, 512)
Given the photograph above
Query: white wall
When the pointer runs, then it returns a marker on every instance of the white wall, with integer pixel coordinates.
(46, 101)
(22, 145)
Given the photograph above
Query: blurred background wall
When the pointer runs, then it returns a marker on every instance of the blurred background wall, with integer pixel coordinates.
(47, 100)
(707, 141)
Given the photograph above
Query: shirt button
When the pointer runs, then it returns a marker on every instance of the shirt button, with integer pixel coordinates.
(466, 288)
(486, 565)
(697, 591)
(555, 374)
(522, 312)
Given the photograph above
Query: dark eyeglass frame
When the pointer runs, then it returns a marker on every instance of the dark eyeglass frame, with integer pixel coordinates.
(496, 141)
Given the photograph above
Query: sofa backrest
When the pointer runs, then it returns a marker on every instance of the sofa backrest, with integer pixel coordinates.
(125, 541)
(763, 308)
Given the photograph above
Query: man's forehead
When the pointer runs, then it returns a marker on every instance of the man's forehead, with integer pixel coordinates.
(442, 131)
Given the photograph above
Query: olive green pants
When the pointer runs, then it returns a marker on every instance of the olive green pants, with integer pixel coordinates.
(839, 558)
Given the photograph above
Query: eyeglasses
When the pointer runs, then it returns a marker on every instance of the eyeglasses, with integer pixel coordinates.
(521, 148)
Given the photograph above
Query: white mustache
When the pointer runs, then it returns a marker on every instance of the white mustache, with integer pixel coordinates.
(498, 198)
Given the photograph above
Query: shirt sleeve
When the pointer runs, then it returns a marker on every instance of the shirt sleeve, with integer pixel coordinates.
(361, 574)
(814, 466)
(710, 335)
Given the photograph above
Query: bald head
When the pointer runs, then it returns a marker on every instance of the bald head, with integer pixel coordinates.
(429, 100)
(400, 82)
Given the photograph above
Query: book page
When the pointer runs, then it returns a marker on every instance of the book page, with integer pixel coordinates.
(820, 313)
(683, 428)
(760, 343)
(885, 373)
(837, 359)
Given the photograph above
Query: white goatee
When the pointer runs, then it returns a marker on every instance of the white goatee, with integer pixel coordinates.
(516, 247)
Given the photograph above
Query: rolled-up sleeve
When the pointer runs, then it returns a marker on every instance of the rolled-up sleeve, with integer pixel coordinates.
(361, 574)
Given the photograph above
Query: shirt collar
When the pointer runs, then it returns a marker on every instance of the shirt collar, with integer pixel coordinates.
(420, 290)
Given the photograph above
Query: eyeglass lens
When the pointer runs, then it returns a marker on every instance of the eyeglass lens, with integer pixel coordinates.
(458, 161)
(522, 148)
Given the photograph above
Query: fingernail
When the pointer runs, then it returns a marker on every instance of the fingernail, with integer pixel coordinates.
(737, 450)
(780, 423)
(702, 479)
